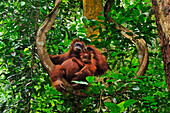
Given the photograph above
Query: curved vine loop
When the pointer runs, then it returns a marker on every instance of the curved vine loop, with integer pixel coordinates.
(139, 43)
(42, 50)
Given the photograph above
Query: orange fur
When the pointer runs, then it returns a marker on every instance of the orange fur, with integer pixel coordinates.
(59, 59)
(89, 67)
(99, 60)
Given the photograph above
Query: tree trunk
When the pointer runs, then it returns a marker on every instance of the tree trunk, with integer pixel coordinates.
(162, 14)
(92, 9)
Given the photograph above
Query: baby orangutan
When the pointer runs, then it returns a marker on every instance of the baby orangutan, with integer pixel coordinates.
(88, 65)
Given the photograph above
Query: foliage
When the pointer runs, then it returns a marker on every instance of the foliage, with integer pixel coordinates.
(25, 85)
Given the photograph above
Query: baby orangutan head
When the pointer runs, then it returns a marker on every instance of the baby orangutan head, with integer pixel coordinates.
(87, 56)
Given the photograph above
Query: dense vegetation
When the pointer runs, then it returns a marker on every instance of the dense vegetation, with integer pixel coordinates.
(25, 85)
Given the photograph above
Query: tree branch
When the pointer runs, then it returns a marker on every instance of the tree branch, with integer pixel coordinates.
(42, 50)
(139, 43)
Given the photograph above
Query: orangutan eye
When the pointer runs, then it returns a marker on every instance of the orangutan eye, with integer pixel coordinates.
(77, 44)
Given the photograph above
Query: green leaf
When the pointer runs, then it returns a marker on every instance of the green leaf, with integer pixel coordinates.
(121, 106)
(82, 35)
(52, 103)
(112, 107)
(96, 90)
(101, 18)
(73, 27)
(86, 102)
(22, 3)
(82, 30)
(90, 79)
(43, 11)
(154, 103)
(80, 82)
(129, 102)
(114, 54)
